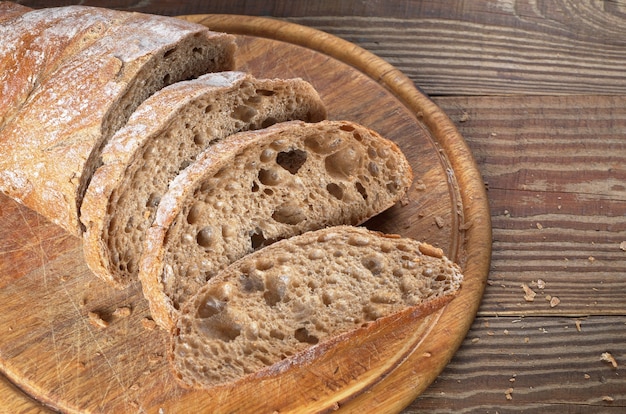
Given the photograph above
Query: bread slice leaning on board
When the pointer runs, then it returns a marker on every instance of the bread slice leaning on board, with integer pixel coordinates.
(301, 295)
(258, 187)
(50, 145)
(162, 137)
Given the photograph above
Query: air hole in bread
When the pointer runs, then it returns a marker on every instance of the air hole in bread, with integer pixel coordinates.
(269, 177)
(357, 136)
(372, 167)
(169, 52)
(210, 306)
(199, 139)
(361, 190)
(166, 78)
(335, 190)
(198, 50)
(343, 163)
(393, 186)
(255, 187)
(194, 214)
(244, 113)
(205, 237)
(265, 92)
(153, 200)
(268, 122)
(289, 213)
(347, 128)
(257, 240)
(374, 263)
(291, 160)
(302, 335)
(275, 333)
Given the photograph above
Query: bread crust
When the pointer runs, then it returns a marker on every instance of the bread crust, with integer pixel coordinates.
(50, 147)
(155, 266)
(124, 154)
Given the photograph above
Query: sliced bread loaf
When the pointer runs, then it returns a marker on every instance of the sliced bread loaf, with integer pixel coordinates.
(258, 187)
(299, 293)
(50, 146)
(162, 137)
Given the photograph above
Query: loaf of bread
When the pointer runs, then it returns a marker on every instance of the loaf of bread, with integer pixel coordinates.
(299, 293)
(161, 138)
(258, 187)
(106, 65)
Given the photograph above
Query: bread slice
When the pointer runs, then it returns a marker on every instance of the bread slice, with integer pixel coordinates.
(163, 136)
(50, 146)
(259, 187)
(298, 294)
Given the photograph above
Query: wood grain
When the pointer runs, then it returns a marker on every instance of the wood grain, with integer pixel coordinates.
(549, 221)
(454, 47)
(55, 353)
(547, 365)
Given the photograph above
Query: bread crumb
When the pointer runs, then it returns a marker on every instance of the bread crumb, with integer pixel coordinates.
(529, 294)
(592, 259)
(578, 326)
(122, 312)
(148, 324)
(506, 331)
(622, 246)
(96, 320)
(420, 186)
(464, 117)
(541, 284)
(539, 226)
(607, 357)
(475, 340)
(608, 398)
(554, 301)
(512, 379)
(427, 354)
(509, 394)
(587, 376)
(440, 222)
(526, 340)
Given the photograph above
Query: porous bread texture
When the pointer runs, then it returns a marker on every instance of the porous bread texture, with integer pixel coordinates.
(161, 138)
(298, 293)
(50, 146)
(258, 187)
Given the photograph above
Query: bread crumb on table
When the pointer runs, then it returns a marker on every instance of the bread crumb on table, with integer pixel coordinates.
(608, 398)
(96, 320)
(554, 301)
(622, 246)
(148, 324)
(509, 394)
(607, 357)
(122, 312)
(529, 294)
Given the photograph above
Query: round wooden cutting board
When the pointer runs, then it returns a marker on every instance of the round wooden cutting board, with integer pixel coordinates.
(52, 352)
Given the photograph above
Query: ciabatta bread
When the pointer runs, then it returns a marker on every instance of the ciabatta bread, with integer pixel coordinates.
(297, 295)
(162, 137)
(260, 186)
(50, 146)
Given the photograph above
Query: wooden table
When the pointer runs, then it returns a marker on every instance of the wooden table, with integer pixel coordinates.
(538, 90)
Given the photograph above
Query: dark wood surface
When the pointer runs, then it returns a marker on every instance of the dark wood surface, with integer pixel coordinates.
(537, 88)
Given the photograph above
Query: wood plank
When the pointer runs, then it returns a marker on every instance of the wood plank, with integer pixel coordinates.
(545, 364)
(466, 47)
(549, 221)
